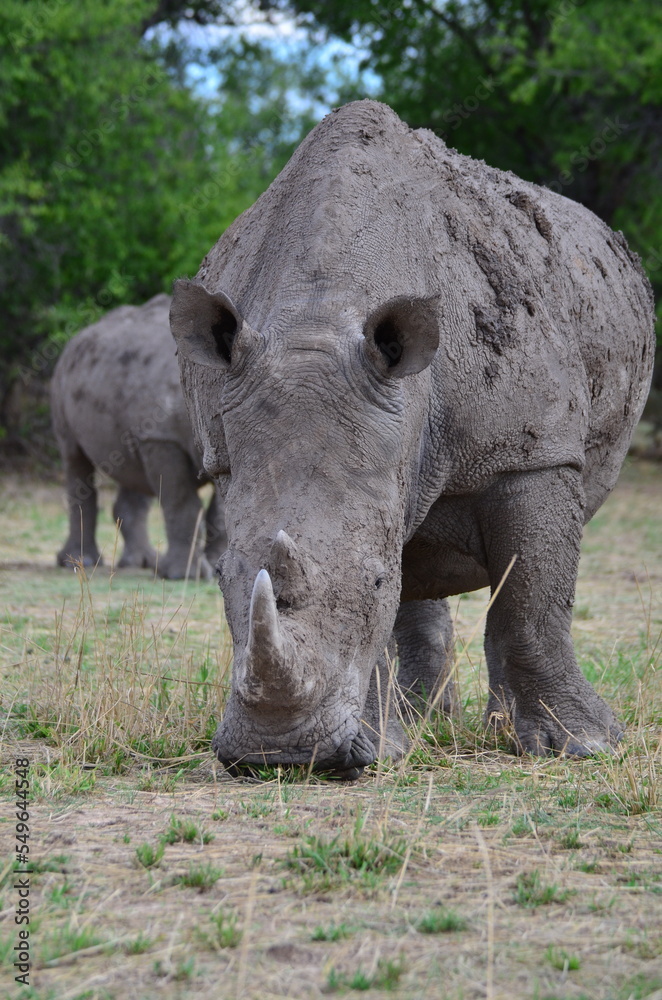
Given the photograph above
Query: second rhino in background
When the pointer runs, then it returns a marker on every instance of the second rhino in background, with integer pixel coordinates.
(117, 406)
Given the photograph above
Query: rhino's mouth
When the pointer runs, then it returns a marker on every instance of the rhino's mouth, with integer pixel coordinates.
(345, 764)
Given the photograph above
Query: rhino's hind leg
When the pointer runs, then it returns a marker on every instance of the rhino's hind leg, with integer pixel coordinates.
(424, 634)
(536, 686)
(80, 546)
(173, 479)
(131, 510)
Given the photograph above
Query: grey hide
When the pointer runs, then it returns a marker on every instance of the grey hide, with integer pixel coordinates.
(117, 405)
(405, 368)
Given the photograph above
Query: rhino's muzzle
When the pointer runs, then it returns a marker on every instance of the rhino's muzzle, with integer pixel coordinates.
(346, 763)
(280, 711)
(349, 762)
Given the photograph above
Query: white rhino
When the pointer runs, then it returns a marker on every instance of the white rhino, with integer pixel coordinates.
(403, 369)
(117, 405)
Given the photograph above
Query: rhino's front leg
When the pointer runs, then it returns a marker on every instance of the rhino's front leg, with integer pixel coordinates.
(216, 539)
(424, 633)
(534, 677)
(173, 479)
(81, 544)
(131, 509)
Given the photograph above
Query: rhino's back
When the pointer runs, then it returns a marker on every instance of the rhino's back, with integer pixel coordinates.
(549, 354)
(117, 382)
(546, 318)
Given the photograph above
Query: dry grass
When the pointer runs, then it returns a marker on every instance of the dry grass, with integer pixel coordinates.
(551, 870)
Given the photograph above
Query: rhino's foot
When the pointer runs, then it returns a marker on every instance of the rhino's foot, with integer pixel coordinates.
(572, 726)
(392, 744)
(175, 568)
(138, 559)
(69, 561)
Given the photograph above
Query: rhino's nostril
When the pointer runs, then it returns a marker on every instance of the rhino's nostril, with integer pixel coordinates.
(357, 753)
(362, 750)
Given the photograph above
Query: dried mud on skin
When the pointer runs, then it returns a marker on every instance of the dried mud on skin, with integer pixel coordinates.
(608, 923)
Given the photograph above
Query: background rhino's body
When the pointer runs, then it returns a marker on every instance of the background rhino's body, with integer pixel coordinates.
(117, 405)
(507, 442)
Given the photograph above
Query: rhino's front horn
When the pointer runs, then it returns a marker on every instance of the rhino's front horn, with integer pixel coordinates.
(264, 638)
(271, 673)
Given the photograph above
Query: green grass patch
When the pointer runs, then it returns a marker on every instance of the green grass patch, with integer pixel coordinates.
(333, 932)
(222, 931)
(531, 891)
(325, 863)
(186, 831)
(150, 855)
(386, 977)
(441, 921)
(200, 877)
(562, 960)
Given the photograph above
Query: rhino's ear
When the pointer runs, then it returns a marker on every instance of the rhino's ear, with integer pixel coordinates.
(402, 335)
(204, 325)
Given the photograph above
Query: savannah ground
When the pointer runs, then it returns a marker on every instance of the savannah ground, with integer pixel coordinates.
(463, 872)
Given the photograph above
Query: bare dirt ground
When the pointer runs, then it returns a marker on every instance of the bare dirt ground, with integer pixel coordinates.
(465, 873)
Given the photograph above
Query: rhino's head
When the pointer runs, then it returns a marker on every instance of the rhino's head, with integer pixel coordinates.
(313, 431)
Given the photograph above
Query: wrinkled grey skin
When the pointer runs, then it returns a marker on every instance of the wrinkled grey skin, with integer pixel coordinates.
(403, 368)
(117, 405)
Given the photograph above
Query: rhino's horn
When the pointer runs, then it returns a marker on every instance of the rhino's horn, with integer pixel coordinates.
(284, 557)
(266, 675)
(283, 546)
(264, 638)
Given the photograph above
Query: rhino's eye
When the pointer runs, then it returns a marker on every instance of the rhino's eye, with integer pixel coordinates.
(375, 573)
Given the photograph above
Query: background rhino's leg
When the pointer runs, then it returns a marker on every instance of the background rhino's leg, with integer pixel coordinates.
(381, 723)
(131, 510)
(216, 539)
(533, 672)
(82, 503)
(424, 633)
(174, 481)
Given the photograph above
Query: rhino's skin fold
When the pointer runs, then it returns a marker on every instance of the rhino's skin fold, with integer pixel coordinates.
(403, 368)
